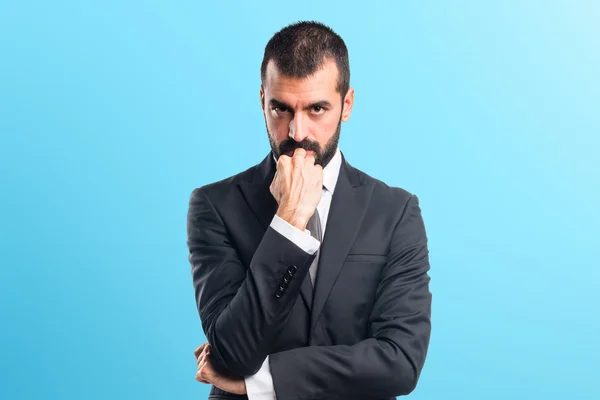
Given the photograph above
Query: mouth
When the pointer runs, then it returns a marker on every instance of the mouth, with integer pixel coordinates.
(290, 153)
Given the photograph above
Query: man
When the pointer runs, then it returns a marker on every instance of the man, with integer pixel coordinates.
(310, 276)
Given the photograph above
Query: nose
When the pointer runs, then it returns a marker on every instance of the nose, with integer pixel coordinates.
(298, 129)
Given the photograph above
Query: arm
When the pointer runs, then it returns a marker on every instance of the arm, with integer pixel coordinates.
(260, 385)
(238, 306)
(389, 362)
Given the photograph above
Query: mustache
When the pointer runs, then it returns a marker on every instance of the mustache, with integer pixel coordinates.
(291, 145)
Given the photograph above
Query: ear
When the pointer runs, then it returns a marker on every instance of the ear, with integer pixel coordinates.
(262, 98)
(347, 105)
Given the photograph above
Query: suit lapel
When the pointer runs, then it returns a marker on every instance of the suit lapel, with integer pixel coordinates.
(260, 200)
(257, 193)
(348, 206)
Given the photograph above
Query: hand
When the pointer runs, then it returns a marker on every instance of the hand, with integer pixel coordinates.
(297, 187)
(206, 373)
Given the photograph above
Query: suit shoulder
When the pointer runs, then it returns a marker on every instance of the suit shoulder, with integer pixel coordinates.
(391, 201)
(217, 190)
(382, 189)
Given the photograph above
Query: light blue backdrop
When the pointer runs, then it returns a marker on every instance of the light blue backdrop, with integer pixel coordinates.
(111, 112)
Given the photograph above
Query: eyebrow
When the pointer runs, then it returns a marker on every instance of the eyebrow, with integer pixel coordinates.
(321, 103)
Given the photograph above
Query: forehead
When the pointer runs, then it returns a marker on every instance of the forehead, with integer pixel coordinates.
(323, 83)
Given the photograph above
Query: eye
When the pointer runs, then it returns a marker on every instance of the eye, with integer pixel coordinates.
(318, 110)
(280, 110)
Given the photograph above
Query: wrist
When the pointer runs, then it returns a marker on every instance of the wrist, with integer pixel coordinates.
(293, 218)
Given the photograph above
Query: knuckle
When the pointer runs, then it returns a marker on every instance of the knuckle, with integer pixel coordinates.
(299, 153)
(283, 160)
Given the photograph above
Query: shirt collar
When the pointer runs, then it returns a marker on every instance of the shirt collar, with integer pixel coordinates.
(331, 172)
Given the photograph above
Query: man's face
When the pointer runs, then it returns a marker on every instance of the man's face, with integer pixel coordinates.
(305, 112)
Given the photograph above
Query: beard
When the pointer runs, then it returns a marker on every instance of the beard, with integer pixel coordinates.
(322, 155)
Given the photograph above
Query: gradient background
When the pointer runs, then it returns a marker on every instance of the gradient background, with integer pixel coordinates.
(111, 112)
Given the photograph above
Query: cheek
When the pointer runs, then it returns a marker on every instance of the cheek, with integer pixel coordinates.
(326, 128)
(276, 128)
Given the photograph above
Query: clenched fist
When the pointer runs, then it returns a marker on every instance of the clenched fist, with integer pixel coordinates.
(297, 187)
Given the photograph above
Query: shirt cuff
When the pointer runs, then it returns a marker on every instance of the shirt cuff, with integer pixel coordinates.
(302, 239)
(260, 385)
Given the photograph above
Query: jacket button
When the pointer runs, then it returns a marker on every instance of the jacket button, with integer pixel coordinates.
(279, 294)
(282, 287)
(292, 270)
(286, 279)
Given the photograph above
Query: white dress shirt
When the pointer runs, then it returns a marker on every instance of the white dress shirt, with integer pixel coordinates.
(260, 385)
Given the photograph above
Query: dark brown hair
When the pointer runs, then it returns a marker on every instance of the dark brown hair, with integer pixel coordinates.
(301, 48)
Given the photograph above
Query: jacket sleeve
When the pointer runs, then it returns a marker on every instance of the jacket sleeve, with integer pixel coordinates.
(388, 363)
(241, 308)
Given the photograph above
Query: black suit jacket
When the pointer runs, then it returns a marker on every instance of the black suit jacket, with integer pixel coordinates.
(365, 330)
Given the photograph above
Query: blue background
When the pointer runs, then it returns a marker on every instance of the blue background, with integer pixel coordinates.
(111, 112)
